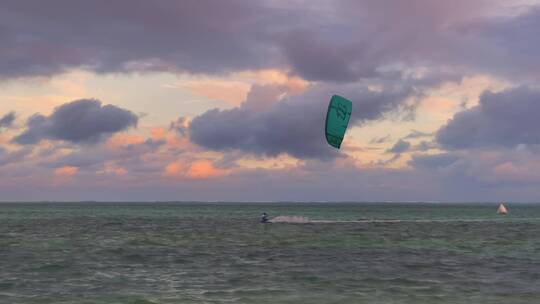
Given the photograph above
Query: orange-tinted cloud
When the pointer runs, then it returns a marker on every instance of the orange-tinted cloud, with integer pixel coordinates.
(158, 133)
(170, 137)
(174, 169)
(124, 139)
(198, 169)
(66, 171)
(295, 84)
(202, 169)
(506, 168)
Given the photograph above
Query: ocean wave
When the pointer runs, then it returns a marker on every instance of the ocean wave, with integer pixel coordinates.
(305, 220)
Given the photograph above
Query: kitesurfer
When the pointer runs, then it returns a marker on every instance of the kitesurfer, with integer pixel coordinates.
(264, 218)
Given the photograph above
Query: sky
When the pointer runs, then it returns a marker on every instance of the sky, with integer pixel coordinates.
(209, 100)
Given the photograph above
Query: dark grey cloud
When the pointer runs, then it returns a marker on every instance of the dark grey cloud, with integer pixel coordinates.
(80, 121)
(7, 120)
(338, 42)
(453, 39)
(294, 126)
(511, 44)
(399, 147)
(482, 174)
(195, 36)
(433, 161)
(318, 58)
(504, 119)
(425, 146)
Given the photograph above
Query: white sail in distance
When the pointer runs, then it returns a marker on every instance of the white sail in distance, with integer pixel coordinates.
(502, 209)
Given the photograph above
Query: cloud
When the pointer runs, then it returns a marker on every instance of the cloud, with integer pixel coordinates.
(194, 36)
(80, 121)
(317, 58)
(433, 161)
(417, 134)
(380, 140)
(189, 167)
(488, 174)
(386, 50)
(13, 157)
(99, 155)
(339, 42)
(66, 171)
(425, 146)
(399, 147)
(141, 173)
(269, 124)
(180, 126)
(7, 120)
(504, 119)
(514, 37)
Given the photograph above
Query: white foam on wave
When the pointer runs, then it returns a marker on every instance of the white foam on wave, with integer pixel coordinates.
(290, 219)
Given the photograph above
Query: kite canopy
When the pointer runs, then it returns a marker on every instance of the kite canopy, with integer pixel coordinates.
(337, 119)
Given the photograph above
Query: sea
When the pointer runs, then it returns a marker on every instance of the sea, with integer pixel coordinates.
(143, 253)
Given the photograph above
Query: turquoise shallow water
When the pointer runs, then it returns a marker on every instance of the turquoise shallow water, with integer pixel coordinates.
(219, 253)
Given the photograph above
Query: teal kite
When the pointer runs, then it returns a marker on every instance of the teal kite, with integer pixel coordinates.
(337, 120)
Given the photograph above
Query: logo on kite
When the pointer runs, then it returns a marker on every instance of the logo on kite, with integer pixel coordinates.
(337, 120)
